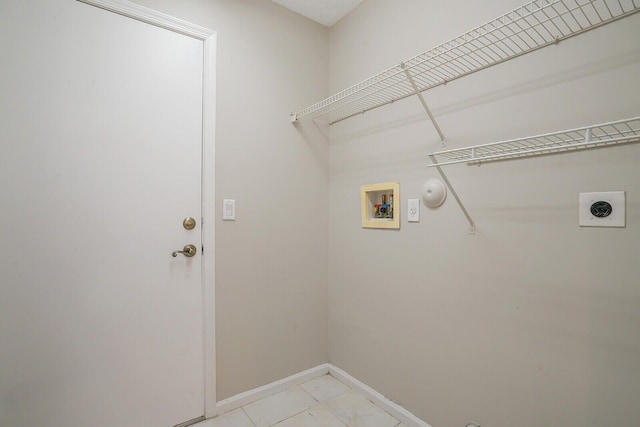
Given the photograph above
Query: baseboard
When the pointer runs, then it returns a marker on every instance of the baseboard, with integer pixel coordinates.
(406, 417)
(242, 399)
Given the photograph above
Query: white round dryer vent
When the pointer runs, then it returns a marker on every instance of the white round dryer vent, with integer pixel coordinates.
(434, 193)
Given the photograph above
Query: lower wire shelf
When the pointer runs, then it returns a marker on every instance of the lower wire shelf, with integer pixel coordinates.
(605, 134)
(601, 135)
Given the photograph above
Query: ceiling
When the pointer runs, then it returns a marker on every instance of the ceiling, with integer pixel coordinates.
(325, 12)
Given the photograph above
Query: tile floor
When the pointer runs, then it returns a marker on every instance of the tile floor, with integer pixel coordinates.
(323, 402)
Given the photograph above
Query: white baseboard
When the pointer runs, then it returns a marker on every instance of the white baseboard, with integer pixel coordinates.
(242, 399)
(406, 417)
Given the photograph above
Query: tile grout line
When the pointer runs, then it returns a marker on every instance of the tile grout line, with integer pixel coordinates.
(318, 403)
(298, 413)
(294, 415)
(358, 393)
(322, 403)
(333, 413)
(248, 417)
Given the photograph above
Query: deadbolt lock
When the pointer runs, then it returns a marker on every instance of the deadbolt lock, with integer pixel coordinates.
(189, 223)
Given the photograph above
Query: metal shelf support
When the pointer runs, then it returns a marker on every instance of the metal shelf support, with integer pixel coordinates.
(423, 102)
(472, 225)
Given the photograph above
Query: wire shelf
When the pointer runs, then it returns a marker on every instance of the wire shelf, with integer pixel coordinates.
(612, 133)
(530, 27)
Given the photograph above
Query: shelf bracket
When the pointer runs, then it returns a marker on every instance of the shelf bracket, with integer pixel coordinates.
(472, 225)
(424, 103)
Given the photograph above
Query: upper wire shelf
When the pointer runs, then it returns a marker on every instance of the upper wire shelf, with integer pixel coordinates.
(532, 26)
(611, 133)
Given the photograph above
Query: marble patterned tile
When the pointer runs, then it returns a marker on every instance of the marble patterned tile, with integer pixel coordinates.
(236, 418)
(324, 388)
(315, 417)
(280, 406)
(356, 411)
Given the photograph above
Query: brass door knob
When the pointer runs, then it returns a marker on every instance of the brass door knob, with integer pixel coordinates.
(188, 251)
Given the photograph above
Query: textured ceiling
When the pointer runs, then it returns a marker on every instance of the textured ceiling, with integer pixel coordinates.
(325, 12)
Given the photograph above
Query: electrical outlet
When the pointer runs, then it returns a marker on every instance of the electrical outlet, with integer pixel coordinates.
(605, 209)
(413, 210)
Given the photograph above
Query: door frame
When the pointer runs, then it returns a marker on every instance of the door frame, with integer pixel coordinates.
(208, 37)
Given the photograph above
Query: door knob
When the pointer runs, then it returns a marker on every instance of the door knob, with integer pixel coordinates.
(188, 251)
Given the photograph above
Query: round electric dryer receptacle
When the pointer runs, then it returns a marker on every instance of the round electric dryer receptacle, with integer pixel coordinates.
(601, 209)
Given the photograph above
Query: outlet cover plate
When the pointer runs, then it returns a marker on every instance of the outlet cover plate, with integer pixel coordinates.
(413, 210)
(611, 204)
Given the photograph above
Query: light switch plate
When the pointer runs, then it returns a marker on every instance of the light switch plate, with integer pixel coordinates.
(605, 209)
(228, 210)
(413, 210)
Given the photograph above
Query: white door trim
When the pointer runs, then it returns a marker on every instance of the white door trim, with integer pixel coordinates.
(208, 37)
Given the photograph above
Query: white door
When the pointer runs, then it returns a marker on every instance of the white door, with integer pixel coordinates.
(100, 161)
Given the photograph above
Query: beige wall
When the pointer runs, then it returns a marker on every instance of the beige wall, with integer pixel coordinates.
(271, 263)
(533, 321)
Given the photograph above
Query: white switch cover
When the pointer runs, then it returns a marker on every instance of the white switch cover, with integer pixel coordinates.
(413, 210)
(605, 209)
(229, 210)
